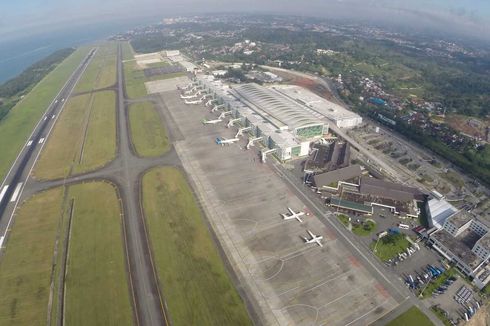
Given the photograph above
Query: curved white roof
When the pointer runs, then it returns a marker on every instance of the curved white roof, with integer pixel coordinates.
(277, 106)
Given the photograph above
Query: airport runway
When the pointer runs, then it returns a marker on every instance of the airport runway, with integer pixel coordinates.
(13, 185)
(124, 172)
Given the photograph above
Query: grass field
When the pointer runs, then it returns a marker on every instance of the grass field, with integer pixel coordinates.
(16, 127)
(63, 154)
(127, 51)
(189, 267)
(389, 246)
(97, 291)
(344, 219)
(101, 71)
(412, 316)
(147, 131)
(134, 79)
(453, 178)
(363, 230)
(25, 268)
(100, 141)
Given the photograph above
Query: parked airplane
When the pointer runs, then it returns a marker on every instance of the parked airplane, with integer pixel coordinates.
(211, 122)
(223, 141)
(192, 102)
(314, 238)
(292, 215)
(187, 96)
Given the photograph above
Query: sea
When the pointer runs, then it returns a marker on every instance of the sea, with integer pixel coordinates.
(16, 55)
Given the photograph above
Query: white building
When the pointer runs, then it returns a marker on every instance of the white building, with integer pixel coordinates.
(321, 107)
(172, 53)
(438, 211)
(282, 124)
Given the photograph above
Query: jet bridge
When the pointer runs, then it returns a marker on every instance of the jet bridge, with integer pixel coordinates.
(241, 130)
(231, 122)
(216, 107)
(251, 141)
(264, 153)
(190, 90)
(211, 101)
(224, 114)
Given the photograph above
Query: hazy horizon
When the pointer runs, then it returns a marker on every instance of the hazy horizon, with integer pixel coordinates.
(469, 18)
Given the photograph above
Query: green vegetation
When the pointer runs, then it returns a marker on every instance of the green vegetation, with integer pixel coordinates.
(101, 71)
(16, 127)
(100, 142)
(83, 139)
(436, 283)
(127, 51)
(188, 263)
(97, 291)
(441, 314)
(12, 90)
(412, 316)
(96, 287)
(364, 229)
(389, 246)
(134, 78)
(453, 178)
(25, 268)
(344, 219)
(147, 131)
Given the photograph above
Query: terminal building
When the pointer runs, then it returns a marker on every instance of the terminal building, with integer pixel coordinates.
(283, 126)
(461, 238)
(359, 194)
(337, 114)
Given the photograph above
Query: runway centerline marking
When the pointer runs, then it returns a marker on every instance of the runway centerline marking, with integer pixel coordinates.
(16, 192)
(4, 190)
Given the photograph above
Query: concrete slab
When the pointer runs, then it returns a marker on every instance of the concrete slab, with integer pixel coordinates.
(165, 85)
(286, 281)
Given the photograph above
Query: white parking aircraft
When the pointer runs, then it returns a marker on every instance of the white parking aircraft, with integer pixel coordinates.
(192, 102)
(314, 238)
(292, 215)
(187, 96)
(211, 122)
(223, 141)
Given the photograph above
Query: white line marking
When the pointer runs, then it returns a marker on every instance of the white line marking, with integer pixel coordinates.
(41, 140)
(3, 192)
(1, 241)
(42, 145)
(52, 117)
(39, 122)
(45, 118)
(29, 143)
(16, 192)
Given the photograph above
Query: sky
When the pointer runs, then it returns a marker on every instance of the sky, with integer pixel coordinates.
(28, 17)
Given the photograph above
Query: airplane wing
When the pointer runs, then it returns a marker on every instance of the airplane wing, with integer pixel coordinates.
(319, 242)
(310, 233)
(299, 219)
(290, 210)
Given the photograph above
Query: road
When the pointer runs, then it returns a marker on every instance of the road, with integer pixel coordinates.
(15, 180)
